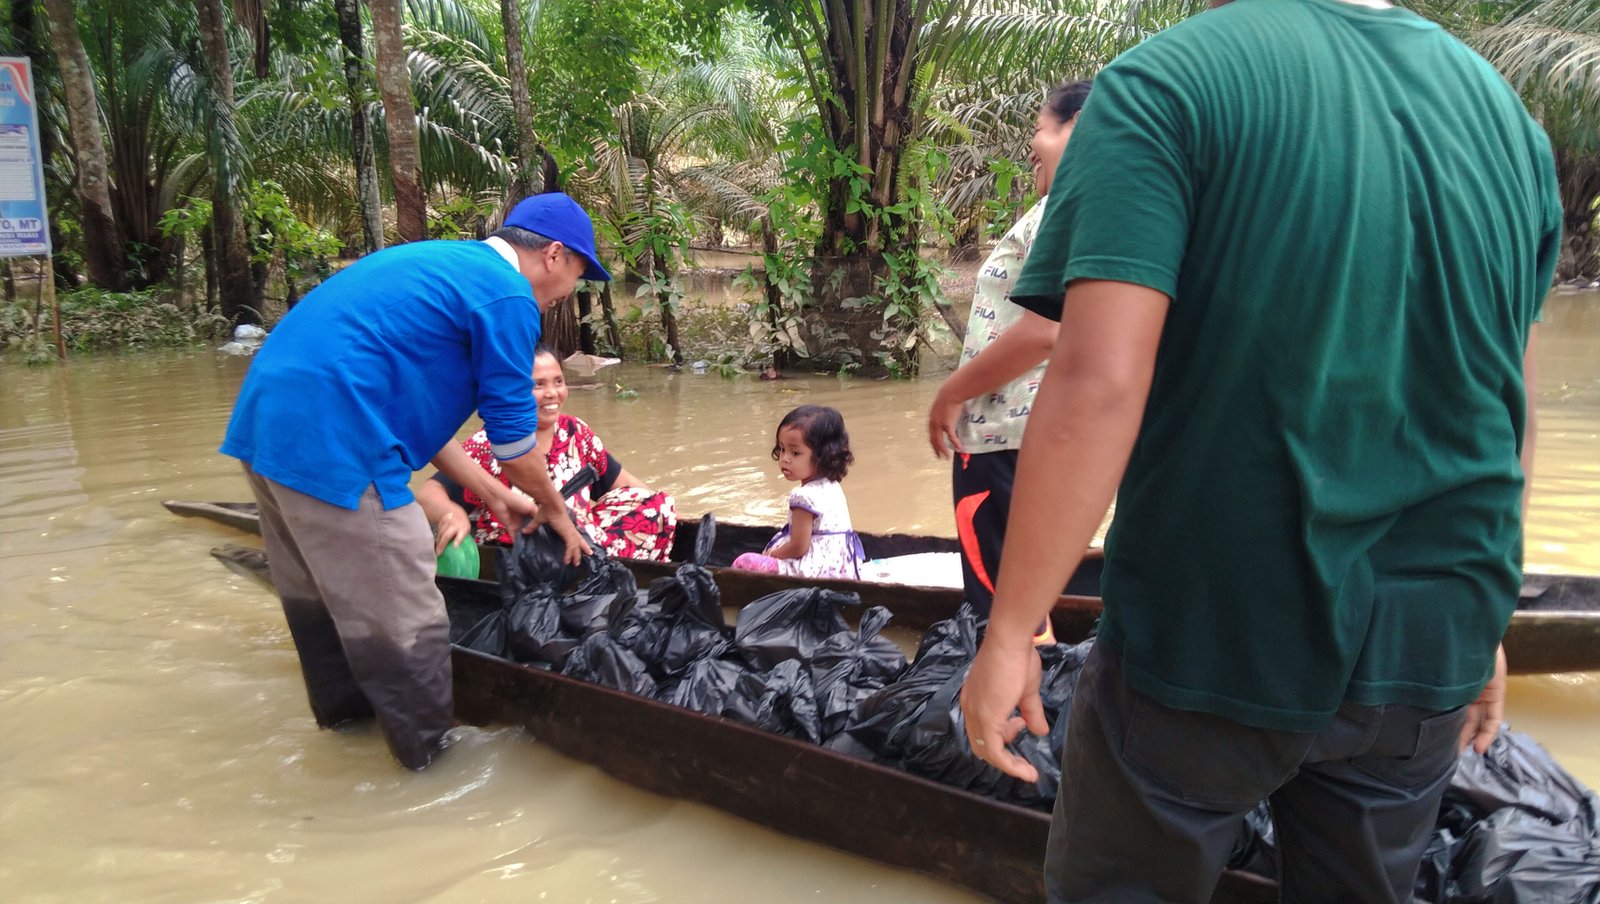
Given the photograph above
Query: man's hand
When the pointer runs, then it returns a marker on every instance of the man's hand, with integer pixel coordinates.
(577, 546)
(1485, 713)
(529, 474)
(513, 511)
(452, 527)
(1003, 680)
(942, 419)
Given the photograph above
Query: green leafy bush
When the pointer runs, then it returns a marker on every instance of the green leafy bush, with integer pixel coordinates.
(96, 320)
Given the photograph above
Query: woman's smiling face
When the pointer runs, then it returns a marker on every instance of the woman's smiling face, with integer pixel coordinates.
(549, 388)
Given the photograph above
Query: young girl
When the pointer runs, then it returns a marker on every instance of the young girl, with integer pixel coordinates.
(818, 542)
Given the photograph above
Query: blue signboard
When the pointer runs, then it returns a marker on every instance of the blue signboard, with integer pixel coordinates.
(24, 226)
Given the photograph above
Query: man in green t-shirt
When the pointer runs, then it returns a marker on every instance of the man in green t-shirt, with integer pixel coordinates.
(1303, 244)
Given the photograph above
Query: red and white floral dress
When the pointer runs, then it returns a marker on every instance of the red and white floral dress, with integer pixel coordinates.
(632, 522)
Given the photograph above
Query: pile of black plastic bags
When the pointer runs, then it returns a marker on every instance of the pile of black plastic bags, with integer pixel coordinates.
(1514, 826)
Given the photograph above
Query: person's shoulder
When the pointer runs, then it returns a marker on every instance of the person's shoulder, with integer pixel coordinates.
(478, 265)
(474, 268)
(1198, 31)
(1225, 38)
(571, 423)
(822, 488)
(1026, 226)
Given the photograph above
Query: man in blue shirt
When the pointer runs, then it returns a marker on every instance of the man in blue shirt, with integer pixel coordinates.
(367, 380)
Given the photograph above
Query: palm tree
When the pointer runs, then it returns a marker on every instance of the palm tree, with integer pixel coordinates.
(361, 154)
(873, 69)
(1006, 58)
(240, 291)
(653, 182)
(1550, 50)
(527, 145)
(400, 119)
(102, 245)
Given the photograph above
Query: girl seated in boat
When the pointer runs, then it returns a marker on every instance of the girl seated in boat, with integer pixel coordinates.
(618, 512)
(813, 450)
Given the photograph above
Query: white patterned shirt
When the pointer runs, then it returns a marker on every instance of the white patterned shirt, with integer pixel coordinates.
(994, 421)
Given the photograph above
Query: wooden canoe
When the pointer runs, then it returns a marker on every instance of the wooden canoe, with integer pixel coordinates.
(995, 849)
(1556, 627)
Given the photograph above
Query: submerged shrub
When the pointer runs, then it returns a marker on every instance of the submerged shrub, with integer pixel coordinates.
(96, 320)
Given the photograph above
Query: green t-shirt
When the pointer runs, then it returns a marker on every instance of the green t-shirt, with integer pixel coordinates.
(1356, 221)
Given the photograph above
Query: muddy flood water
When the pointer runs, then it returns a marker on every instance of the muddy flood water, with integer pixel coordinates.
(155, 744)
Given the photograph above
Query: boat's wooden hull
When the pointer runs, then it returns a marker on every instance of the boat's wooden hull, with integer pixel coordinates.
(1556, 627)
(800, 789)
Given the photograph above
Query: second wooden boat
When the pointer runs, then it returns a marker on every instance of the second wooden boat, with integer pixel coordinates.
(1556, 627)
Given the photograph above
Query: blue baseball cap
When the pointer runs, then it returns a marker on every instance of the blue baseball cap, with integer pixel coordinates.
(556, 216)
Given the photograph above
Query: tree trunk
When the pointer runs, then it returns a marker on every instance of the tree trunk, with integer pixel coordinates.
(869, 114)
(179, 270)
(608, 310)
(208, 255)
(291, 284)
(103, 252)
(669, 313)
(522, 108)
(252, 14)
(349, 13)
(260, 276)
(241, 300)
(781, 356)
(1579, 175)
(561, 329)
(400, 120)
(669, 324)
(585, 323)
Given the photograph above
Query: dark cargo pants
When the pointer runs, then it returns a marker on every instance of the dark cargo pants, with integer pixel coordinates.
(368, 622)
(1151, 797)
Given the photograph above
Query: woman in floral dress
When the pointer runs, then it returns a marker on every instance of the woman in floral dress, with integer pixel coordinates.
(618, 512)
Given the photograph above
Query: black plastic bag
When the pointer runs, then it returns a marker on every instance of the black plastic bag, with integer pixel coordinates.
(878, 727)
(691, 606)
(680, 620)
(936, 747)
(488, 635)
(533, 629)
(1515, 828)
(1255, 850)
(1060, 667)
(585, 610)
(790, 624)
(850, 666)
(535, 560)
(1517, 772)
(780, 701)
(706, 686)
(601, 660)
(542, 626)
(1518, 857)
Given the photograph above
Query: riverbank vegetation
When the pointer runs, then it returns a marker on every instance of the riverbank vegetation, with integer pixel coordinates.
(218, 159)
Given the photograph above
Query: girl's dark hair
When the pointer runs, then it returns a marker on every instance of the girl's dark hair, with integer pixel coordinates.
(1067, 99)
(542, 349)
(823, 429)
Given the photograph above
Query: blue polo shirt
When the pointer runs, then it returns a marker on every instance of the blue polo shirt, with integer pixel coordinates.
(368, 377)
